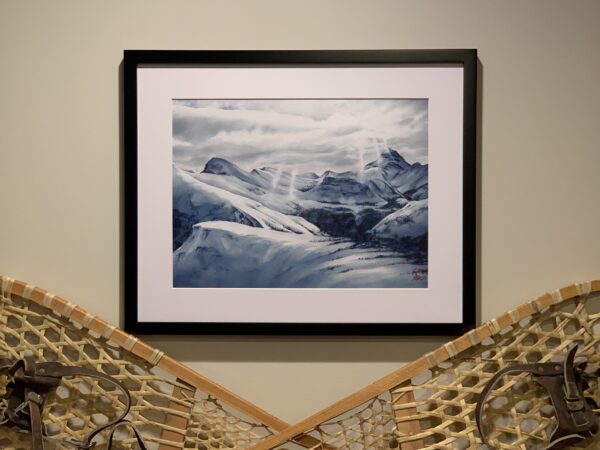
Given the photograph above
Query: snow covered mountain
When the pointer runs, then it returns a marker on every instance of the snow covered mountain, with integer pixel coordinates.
(388, 178)
(340, 204)
(406, 225)
(300, 229)
(392, 168)
(228, 254)
(390, 161)
(194, 201)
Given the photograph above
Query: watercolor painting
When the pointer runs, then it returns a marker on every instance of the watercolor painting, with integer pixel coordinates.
(300, 193)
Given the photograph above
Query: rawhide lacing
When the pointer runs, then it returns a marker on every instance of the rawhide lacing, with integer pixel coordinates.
(566, 383)
(27, 392)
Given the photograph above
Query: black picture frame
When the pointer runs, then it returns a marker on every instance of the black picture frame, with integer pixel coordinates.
(135, 59)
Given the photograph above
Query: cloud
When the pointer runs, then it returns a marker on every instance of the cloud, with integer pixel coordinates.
(313, 135)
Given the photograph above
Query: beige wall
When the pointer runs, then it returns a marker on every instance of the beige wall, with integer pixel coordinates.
(59, 155)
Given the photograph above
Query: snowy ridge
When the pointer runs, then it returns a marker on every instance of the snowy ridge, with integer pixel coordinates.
(410, 222)
(195, 201)
(227, 254)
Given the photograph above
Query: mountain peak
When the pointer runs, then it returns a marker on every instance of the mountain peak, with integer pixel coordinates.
(392, 155)
(389, 157)
(219, 166)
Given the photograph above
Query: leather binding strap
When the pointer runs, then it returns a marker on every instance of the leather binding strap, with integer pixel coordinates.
(28, 390)
(564, 382)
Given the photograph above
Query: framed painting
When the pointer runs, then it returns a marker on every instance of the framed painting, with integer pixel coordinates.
(300, 192)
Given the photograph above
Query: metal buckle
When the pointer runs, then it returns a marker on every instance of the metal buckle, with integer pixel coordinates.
(21, 408)
(35, 398)
(31, 396)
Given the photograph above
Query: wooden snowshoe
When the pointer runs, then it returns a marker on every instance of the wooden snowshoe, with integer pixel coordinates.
(431, 402)
(173, 406)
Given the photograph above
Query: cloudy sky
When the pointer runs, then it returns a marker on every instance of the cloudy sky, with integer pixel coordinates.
(307, 135)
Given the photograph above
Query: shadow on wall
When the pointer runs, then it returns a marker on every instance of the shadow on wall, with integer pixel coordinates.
(298, 349)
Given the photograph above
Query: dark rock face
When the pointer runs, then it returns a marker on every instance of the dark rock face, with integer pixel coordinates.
(182, 227)
(336, 222)
(416, 248)
(344, 222)
(418, 194)
(368, 218)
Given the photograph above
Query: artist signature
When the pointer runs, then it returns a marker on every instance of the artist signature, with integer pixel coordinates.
(418, 274)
